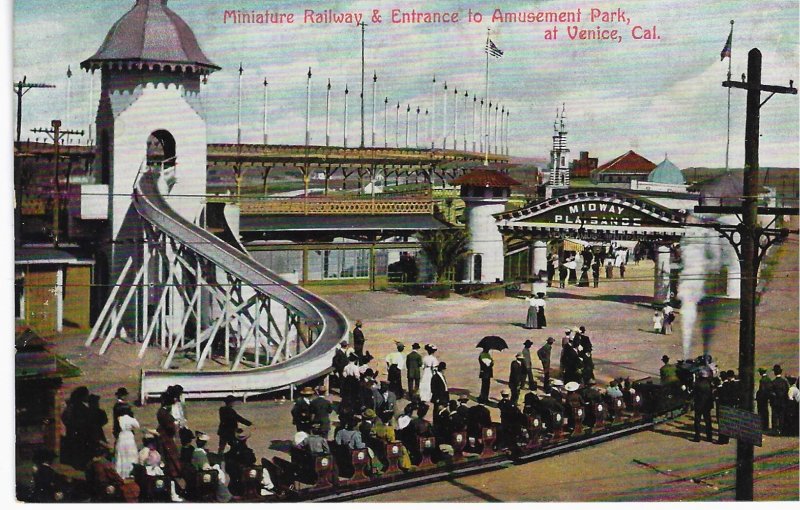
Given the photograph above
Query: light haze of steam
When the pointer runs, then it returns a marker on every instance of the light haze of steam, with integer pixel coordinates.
(701, 256)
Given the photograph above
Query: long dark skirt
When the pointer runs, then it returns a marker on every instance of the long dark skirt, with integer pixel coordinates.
(531, 322)
(541, 319)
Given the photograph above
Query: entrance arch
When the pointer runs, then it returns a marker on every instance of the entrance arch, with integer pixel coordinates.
(161, 149)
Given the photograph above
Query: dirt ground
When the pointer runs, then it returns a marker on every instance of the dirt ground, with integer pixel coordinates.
(658, 465)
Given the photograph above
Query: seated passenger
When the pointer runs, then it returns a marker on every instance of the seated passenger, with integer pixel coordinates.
(100, 474)
(238, 458)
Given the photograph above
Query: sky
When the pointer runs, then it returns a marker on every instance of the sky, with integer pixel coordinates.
(657, 97)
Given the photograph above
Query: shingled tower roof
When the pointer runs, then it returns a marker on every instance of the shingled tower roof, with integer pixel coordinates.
(485, 179)
(151, 36)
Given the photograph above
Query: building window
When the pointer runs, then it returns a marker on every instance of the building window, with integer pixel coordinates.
(477, 267)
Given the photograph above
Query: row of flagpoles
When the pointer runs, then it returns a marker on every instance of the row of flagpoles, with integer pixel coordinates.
(473, 124)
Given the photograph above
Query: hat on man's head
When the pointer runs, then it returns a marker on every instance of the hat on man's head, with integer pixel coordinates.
(464, 397)
(370, 414)
(229, 399)
(567, 330)
(307, 391)
(665, 358)
(527, 343)
(520, 356)
(201, 436)
(550, 339)
(572, 386)
(777, 369)
(400, 346)
(121, 392)
(344, 342)
(582, 329)
(442, 366)
(762, 371)
(359, 324)
(415, 345)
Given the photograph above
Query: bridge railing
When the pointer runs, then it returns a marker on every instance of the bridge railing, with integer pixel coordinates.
(324, 206)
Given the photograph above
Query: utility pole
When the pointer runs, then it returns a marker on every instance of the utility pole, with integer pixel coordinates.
(346, 93)
(363, 28)
(56, 134)
(455, 119)
(266, 111)
(751, 242)
(374, 86)
(474, 103)
(466, 98)
(239, 108)
(416, 130)
(386, 122)
(408, 110)
(20, 89)
(328, 114)
(308, 108)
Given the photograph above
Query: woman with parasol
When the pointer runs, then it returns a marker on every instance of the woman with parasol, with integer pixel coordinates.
(486, 363)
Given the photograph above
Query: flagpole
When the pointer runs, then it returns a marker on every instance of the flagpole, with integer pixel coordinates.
(474, 103)
(346, 92)
(444, 119)
(416, 130)
(385, 122)
(239, 108)
(328, 114)
(69, 95)
(480, 127)
(455, 119)
(486, 93)
(397, 126)
(728, 144)
(266, 111)
(408, 110)
(466, 98)
(374, 87)
(433, 113)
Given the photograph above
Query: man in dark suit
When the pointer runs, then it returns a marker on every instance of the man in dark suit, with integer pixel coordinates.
(358, 340)
(339, 362)
(528, 364)
(440, 395)
(763, 397)
(727, 395)
(703, 402)
(780, 399)
(120, 407)
(516, 377)
(544, 357)
(302, 413)
(229, 421)
(385, 403)
(413, 369)
(486, 367)
(321, 410)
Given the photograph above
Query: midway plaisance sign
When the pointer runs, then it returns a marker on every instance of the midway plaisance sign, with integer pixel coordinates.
(592, 213)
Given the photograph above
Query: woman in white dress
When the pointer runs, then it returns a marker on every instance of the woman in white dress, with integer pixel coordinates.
(125, 452)
(429, 362)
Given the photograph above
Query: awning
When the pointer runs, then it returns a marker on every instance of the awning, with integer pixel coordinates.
(350, 223)
(28, 255)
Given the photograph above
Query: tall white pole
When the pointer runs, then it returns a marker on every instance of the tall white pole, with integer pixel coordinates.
(328, 114)
(68, 114)
(728, 144)
(502, 126)
(397, 126)
(346, 93)
(386, 122)
(444, 119)
(496, 108)
(266, 112)
(433, 113)
(91, 104)
(308, 108)
(486, 93)
(508, 115)
(455, 119)
(466, 98)
(374, 87)
(239, 108)
(408, 110)
(480, 127)
(474, 103)
(416, 131)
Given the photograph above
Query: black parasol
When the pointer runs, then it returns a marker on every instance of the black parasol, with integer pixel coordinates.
(492, 343)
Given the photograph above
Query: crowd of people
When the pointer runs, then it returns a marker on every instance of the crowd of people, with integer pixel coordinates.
(120, 470)
(590, 259)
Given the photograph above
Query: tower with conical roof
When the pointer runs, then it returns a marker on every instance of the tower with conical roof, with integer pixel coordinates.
(559, 168)
(150, 115)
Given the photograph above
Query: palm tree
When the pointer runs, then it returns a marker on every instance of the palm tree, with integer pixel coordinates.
(444, 249)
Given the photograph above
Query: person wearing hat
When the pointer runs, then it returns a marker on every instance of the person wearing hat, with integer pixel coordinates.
(125, 452)
(562, 274)
(543, 353)
(350, 382)
(485, 373)
(780, 392)
(763, 397)
(97, 420)
(100, 474)
(151, 459)
(359, 340)
(200, 454)
(229, 421)
(395, 362)
(413, 369)
(668, 372)
(302, 413)
(727, 394)
(238, 457)
(385, 402)
(541, 305)
(179, 406)
(167, 428)
(703, 402)
(75, 450)
(516, 377)
(321, 409)
(533, 309)
(121, 406)
(186, 437)
(527, 364)
(340, 360)
(429, 364)
(440, 393)
(510, 420)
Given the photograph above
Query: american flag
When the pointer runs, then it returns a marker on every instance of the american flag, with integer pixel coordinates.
(493, 50)
(726, 51)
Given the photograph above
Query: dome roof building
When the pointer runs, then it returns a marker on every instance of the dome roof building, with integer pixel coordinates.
(666, 173)
(151, 36)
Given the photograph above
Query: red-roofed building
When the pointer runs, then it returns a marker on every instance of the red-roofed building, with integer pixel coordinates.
(483, 178)
(624, 169)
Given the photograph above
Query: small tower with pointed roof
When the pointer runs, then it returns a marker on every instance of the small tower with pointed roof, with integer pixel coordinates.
(150, 114)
